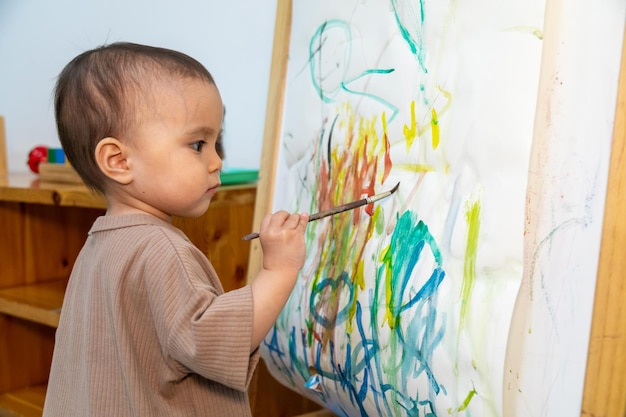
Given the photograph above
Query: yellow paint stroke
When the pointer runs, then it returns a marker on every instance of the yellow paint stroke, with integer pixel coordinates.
(388, 287)
(414, 167)
(359, 285)
(467, 400)
(412, 130)
(410, 133)
(472, 217)
(434, 124)
(387, 163)
(436, 114)
(443, 110)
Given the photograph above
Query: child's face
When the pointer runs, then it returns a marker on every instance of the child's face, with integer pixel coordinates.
(176, 169)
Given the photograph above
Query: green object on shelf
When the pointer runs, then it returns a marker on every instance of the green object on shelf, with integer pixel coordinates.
(232, 176)
(56, 156)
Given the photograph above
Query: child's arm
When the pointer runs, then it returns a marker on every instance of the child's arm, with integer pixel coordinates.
(284, 251)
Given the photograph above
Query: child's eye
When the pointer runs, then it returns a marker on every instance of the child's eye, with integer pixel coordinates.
(219, 147)
(197, 146)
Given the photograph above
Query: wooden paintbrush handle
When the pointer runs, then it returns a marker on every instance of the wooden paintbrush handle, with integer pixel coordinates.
(321, 214)
(338, 209)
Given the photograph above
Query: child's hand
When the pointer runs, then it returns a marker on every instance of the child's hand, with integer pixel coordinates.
(284, 251)
(282, 240)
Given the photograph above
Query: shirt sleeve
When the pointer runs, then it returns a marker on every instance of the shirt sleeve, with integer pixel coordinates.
(201, 329)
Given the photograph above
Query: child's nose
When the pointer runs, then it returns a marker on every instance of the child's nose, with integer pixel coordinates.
(215, 163)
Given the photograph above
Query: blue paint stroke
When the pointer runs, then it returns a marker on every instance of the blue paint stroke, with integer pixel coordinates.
(422, 335)
(318, 292)
(374, 365)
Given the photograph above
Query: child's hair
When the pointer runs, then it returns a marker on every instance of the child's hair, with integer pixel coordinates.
(97, 95)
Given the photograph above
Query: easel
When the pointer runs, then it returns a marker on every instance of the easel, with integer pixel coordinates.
(605, 380)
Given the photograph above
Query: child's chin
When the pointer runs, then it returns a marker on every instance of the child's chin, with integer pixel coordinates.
(200, 209)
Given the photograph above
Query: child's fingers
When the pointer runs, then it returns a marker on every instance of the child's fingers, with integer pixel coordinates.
(303, 220)
(266, 221)
(284, 220)
(293, 221)
(278, 219)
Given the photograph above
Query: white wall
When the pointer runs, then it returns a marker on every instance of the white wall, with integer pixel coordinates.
(233, 39)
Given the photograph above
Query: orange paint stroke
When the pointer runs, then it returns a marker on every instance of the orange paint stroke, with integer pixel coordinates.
(353, 167)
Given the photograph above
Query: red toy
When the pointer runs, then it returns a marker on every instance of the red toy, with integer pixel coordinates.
(35, 156)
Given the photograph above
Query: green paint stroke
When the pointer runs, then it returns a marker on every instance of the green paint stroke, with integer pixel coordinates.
(472, 217)
(467, 400)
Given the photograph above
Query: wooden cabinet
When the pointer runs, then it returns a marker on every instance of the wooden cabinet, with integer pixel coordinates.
(42, 229)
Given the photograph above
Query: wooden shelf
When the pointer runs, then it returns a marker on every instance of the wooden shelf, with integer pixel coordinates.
(40, 303)
(26, 402)
(28, 188)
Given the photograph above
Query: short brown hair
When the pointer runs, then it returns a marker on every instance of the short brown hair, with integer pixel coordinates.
(96, 92)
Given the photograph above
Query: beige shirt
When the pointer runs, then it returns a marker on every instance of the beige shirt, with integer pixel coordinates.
(147, 330)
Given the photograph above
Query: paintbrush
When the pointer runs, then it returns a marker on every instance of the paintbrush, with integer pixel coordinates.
(339, 209)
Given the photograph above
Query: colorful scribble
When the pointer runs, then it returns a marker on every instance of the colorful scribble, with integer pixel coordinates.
(408, 328)
(382, 319)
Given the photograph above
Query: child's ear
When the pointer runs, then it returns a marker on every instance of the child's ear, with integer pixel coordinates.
(111, 156)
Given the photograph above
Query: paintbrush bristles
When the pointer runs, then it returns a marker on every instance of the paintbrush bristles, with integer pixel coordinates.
(339, 209)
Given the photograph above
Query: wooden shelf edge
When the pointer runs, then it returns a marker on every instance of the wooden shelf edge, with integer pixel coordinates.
(25, 402)
(28, 188)
(39, 303)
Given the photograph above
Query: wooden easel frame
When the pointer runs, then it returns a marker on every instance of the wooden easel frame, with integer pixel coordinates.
(4, 170)
(605, 379)
(273, 117)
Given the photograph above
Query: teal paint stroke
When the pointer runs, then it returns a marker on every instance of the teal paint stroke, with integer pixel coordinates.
(322, 82)
(410, 26)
